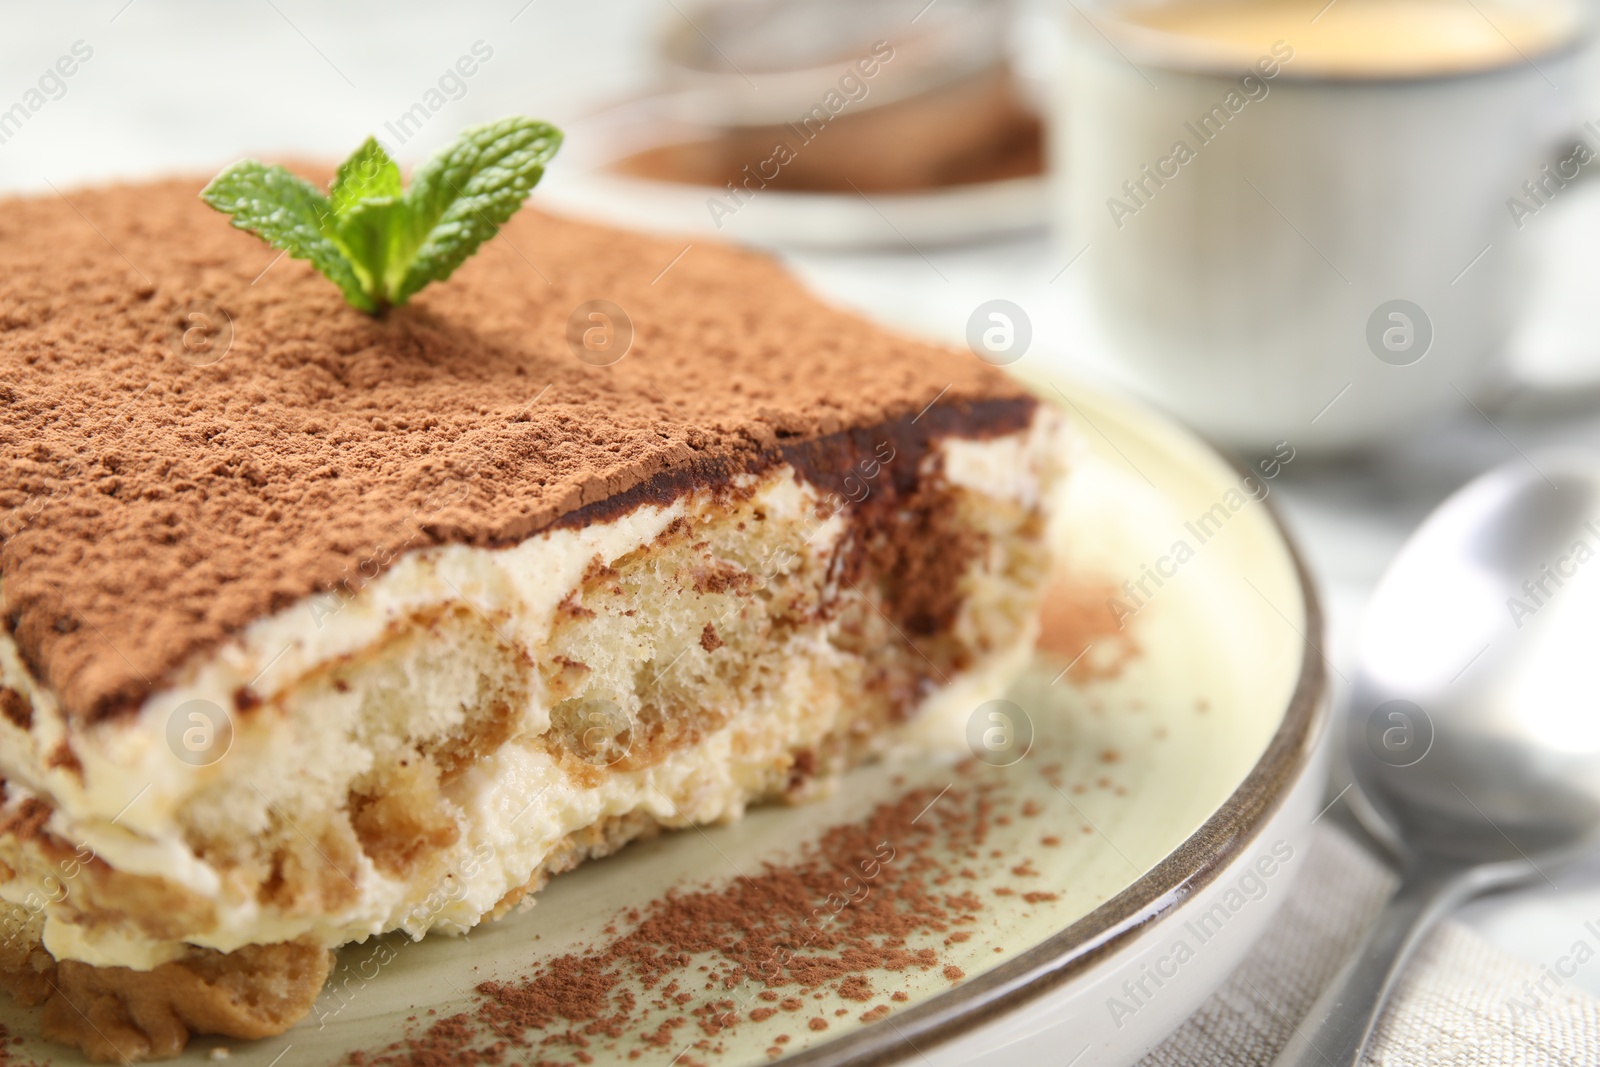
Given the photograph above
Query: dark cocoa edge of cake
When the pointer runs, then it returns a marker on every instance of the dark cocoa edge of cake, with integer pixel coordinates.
(825, 462)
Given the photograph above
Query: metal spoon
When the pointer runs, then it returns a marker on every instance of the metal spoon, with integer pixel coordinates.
(1472, 729)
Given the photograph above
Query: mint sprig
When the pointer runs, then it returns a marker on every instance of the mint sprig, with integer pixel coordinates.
(379, 242)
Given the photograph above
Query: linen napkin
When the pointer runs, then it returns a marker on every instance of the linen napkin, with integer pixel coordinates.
(1461, 1001)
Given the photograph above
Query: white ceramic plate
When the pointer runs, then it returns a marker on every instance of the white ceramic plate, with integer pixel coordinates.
(1174, 852)
(584, 185)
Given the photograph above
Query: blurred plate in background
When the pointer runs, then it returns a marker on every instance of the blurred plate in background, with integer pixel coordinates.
(820, 123)
(589, 184)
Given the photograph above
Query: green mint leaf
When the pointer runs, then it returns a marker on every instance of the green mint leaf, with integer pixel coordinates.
(462, 197)
(364, 232)
(368, 173)
(378, 242)
(365, 201)
(286, 212)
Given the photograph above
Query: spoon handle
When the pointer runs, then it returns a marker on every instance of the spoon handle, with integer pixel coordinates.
(1336, 1029)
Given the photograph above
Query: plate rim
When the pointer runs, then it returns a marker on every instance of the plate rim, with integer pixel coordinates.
(1114, 926)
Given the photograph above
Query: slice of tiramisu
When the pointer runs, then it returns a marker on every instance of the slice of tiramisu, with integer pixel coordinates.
(318, 624)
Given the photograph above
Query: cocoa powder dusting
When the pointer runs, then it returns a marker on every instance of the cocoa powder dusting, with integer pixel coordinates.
(856, 987)
(710, 640)
(156, 497)
(840, 919)
(1077, 623)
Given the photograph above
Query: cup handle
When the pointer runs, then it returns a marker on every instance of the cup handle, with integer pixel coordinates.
(1558, 394)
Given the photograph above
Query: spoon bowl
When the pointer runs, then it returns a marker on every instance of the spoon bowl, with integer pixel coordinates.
(1473, 725)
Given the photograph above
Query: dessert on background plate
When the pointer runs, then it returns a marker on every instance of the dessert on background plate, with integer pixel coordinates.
(321, 623)
(824, 123)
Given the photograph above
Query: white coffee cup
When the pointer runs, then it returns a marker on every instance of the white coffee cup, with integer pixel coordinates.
(1336, 256)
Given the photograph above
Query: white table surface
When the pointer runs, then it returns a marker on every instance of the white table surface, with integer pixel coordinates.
(188, 86)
